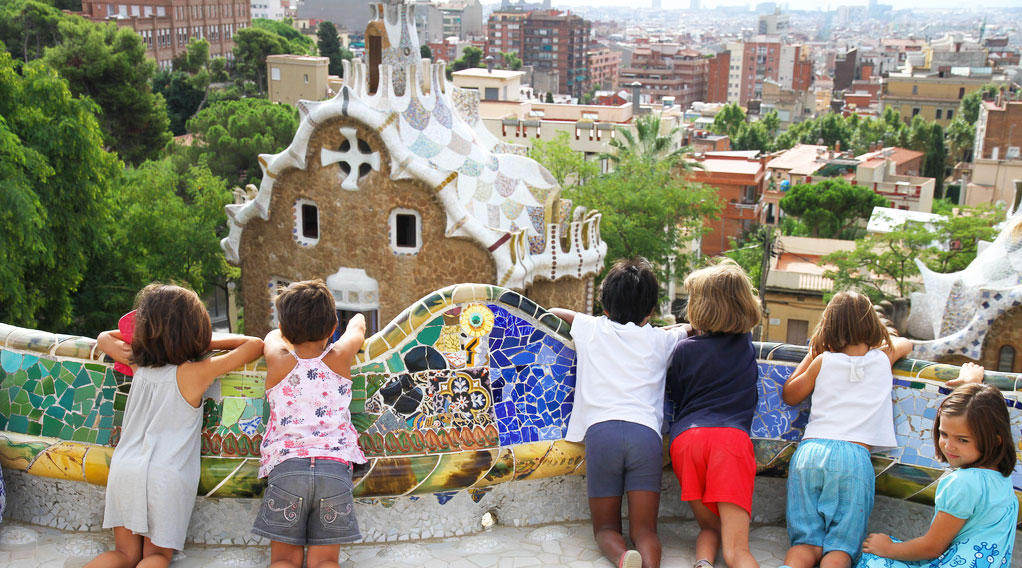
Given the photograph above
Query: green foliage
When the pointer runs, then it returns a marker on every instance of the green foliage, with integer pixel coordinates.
(425, 52)
(883, 264)
(109, 65)
(747, 251)
(230, 135)
(251, 47)
(961, 136)
(162, 227)
(549, 98)
(187, 89)
(511, 60)
(55, 175)
(471, 58)
(935, 157)
(298, 43)
(646, 143)
(568, 167)
(28, 27)
(968, 109)
(648, 210)
(832, 208)
(729, 120)
(330, 47)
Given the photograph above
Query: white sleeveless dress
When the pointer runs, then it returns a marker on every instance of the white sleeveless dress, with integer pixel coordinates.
(154, 472)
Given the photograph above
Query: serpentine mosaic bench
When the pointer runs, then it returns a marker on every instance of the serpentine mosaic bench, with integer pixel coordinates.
(468, 389)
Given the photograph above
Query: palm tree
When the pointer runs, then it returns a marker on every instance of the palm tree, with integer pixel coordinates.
(647, 144)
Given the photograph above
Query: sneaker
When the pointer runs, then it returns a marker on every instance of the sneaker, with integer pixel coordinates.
(704, 563)
(630, 559)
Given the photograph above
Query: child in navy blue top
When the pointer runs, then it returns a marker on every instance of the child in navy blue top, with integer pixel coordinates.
(712, 380)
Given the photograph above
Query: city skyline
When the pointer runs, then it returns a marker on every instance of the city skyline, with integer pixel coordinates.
(807, 5)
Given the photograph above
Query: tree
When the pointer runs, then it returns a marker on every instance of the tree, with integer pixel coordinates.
(728, 120)
(109, 65)
(935, 158)
(187, 88)
(425, 52)
(511, 60)
(230, 135)
(961, 136)
(330, 47)
(251, 48)
(648, 210)
(55, 175)
(880, 261)
(964, 228)
(569, 168)
(471, 58)
(549, 98)
(831, 208)
(298, 43)
(646, 143)
(28, 27)
(162, 227)
(753, 136)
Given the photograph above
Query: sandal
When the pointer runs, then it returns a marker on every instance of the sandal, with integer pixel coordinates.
(630, 559)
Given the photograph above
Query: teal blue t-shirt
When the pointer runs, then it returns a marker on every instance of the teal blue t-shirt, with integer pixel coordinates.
(986, 500)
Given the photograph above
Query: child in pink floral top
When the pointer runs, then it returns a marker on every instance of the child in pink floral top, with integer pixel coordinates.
(310, 444)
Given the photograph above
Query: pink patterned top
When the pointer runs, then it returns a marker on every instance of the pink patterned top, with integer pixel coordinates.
(309, 417)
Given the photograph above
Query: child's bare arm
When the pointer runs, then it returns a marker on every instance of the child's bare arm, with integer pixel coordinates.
(194, 378)
(343, 353)
(927, 547)
(112, 343)
(566, 315)
(900, 347)
(969, 373)
(802, 381)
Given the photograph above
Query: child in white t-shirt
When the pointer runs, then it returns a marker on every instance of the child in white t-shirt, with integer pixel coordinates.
(619, 408)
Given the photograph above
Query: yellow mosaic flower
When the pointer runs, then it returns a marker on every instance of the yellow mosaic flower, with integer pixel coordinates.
(476, 320)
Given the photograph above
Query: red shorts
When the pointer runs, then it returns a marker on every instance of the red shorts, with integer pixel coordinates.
(714, 465)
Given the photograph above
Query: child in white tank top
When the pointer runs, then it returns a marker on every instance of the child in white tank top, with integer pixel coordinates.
(847, 372)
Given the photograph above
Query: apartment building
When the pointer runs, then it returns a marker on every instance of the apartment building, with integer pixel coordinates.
(268, 9)
(998, 161)
(740, 178)
(462, 18)
(604, 67)
(749, 63)
(553, 40)
(934, 95)
(668, 70)
(166, 25)
(504, 32)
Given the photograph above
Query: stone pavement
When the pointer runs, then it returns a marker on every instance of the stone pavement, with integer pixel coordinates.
(568, 545)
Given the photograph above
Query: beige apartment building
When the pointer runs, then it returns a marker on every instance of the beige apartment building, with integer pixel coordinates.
(293, 78)
(935, 96)
(492, 84)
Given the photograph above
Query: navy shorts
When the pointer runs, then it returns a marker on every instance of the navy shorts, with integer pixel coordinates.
(622, 456)
(308, 502)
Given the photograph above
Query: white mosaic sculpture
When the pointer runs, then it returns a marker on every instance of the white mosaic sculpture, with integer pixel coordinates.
(957, 309)
(491, 192)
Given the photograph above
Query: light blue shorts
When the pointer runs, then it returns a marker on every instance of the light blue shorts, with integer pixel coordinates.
(830, 495)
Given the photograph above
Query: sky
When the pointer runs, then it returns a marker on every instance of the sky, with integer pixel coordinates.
(801, 4)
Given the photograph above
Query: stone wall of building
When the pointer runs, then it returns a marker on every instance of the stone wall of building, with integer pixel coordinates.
(354, 233)
(570, 293)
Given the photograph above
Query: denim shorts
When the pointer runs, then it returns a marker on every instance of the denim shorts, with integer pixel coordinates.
(308, 502)
(830, 495)
(621, 457)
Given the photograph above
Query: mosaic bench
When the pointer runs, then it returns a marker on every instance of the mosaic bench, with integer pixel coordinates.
(469, 388)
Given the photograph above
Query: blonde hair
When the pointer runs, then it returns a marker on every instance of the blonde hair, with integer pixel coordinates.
(721, 299)
(849, 319)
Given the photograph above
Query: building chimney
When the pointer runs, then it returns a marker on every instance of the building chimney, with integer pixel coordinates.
(636, 107)
(489, 64)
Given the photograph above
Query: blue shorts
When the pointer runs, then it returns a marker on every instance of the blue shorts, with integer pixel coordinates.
(308, 502)
(622, 456)
(830, 495)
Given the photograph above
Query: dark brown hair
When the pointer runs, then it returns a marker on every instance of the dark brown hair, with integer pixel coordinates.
(630, 290)
(721, 299)
(849, 319)
(171, 326)
(306, 311)
(986, 413)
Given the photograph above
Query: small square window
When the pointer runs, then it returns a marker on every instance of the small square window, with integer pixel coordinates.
(310, 221)
(405, 230)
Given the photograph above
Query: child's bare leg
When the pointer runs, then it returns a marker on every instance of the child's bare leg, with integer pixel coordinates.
(283, 555)
(803, 556)
(836, 559)
(643, 507)
(155, 556)
(606, 515)
(126, 553)
(708, 541)
(734, 535)
(323, 556)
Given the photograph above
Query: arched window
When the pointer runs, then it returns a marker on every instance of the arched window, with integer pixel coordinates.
(1006, 359)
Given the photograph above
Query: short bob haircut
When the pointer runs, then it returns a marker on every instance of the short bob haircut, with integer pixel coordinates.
(721, 299)
(171, 326)
(630, 290)
(986, 413)
(306, 311)
(849, 319)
